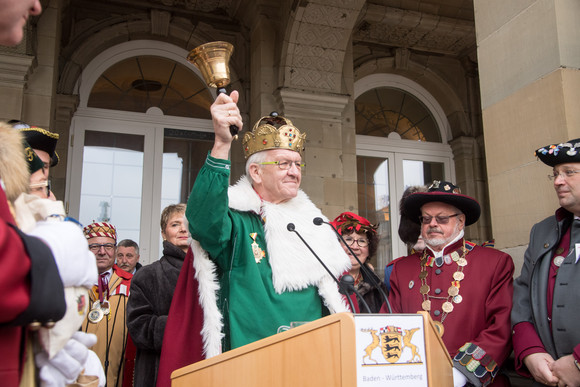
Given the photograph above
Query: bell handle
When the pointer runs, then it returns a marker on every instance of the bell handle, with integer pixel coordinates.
(233, 128)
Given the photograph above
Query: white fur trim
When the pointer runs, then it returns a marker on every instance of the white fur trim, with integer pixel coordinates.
(328, 290)
(205, 274)
(242, 197)
(294, 267)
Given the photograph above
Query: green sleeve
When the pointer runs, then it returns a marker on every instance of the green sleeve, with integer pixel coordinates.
(207, 209)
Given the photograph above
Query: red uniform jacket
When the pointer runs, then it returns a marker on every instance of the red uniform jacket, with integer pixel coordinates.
(478, 328)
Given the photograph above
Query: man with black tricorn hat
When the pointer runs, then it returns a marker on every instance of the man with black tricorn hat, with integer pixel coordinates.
(546, 295)
(43, 142)
(467, 289)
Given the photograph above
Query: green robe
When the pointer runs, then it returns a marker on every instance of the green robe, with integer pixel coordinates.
(247, 300)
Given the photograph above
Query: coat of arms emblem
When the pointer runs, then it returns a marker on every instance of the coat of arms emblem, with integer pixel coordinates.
(392, 340)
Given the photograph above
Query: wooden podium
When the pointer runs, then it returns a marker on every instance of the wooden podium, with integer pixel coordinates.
(319, 353)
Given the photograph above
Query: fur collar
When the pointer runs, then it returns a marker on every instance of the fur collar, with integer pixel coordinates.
(294, 267)
(13, 166)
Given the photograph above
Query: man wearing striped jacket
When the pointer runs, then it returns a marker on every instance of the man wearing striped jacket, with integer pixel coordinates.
(108, 301)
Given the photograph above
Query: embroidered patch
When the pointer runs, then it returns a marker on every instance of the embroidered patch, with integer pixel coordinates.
(81, 304)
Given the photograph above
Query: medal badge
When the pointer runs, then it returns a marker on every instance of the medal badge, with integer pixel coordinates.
(105, 307)
(440, 328)
(558, 260)
(256, 250)
(96, 314)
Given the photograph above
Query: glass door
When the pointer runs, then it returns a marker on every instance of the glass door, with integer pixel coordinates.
(374, 175)
(112, 181)
(385, 168)
(111, 169)
(125, 168)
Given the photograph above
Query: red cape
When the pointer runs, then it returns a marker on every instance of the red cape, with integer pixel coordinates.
(182, 341)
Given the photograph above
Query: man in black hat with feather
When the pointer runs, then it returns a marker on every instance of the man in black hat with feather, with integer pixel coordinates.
(467, 289)
(545, 314)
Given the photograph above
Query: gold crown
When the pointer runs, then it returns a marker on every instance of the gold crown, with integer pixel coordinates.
(273, 132)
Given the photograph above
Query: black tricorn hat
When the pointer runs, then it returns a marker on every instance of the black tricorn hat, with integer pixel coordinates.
(554, 154)
(444, 192)
(39, 138)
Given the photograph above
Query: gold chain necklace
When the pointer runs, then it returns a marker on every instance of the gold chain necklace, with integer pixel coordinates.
(453, 295)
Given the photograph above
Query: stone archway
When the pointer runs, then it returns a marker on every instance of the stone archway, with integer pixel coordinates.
(315, 44)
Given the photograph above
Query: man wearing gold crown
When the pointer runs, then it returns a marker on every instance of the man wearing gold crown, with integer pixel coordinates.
(254, 275)
(467, 289)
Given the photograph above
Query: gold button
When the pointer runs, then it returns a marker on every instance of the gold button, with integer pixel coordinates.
(546, 245)
(49, 324)
(34, 326)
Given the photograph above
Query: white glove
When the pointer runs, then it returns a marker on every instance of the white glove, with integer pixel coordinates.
(459, 380)
(68, 363)
(76, 264)
(93, 367)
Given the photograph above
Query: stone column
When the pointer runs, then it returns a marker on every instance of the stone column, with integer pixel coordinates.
(469, 171)
(14, 71)
(65, 106)
(529, 62)
(326, 178)
(37, 98)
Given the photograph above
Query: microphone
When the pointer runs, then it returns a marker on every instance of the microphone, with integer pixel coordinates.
(290, 227)
(348, 282)
(319, 221)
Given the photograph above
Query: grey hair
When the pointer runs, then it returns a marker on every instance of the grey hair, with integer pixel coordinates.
(256, 158)
(129, 243)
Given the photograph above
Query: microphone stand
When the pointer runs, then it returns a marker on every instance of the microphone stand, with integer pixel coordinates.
(290, 227)
(319, 221)
(348, 281)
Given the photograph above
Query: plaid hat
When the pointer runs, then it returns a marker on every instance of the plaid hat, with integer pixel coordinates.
(100, 229)
(445, 192)
(39, 138)
(567, 152)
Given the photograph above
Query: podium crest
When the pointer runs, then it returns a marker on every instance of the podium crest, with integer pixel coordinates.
(391, 345)
(392, 341)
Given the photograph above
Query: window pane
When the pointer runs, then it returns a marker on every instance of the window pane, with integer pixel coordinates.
(416, 172)
(112, 181)
(184, 153)
(139, 83)
(385, 110)
(374, 203)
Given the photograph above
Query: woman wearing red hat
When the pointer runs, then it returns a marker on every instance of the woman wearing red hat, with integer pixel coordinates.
(363, 240)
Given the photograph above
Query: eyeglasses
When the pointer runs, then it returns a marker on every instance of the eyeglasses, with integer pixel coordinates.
(36, 186)
(362, 242)
(440, 219)
(284, 164)
(563, 174)
(94, 247)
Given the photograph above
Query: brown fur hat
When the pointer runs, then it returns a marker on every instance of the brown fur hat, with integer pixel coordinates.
(13, 165)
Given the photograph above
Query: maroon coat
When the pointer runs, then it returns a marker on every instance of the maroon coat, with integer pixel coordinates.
(482, 318)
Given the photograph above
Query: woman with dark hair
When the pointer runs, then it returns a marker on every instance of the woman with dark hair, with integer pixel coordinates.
(363, 240)
(152, 290)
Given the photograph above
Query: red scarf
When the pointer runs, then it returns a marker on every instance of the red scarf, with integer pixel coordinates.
(182, 343)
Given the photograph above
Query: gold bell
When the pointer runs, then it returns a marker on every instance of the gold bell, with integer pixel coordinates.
(212, 59)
